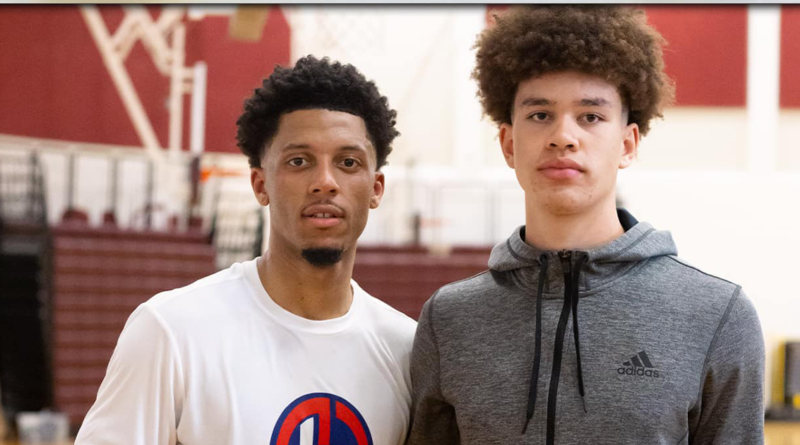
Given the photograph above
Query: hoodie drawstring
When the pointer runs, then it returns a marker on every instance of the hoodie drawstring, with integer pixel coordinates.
(575, 284)
(571, 285)
(537, 351)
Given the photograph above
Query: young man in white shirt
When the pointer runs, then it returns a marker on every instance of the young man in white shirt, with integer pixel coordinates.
(285, 349)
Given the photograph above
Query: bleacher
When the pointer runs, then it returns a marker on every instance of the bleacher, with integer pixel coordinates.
(100, 276)
(405, 277)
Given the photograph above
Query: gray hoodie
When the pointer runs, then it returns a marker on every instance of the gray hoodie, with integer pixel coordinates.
(661, 353)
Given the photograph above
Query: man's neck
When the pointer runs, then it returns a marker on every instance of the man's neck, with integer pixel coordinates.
(582, 230)
(315, 293)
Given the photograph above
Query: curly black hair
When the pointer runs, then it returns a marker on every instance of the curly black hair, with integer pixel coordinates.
(612, 42)
(314, 83)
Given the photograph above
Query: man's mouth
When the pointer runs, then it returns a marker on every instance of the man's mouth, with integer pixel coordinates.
(323, 210)
(560, 173)
(323, 215)
(560, 169)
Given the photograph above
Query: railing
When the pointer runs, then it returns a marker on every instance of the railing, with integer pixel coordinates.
(106, 185)
(115, 184)
(22, 198)
(109, 184)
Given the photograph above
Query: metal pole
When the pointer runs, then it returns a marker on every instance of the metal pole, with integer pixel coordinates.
(70, 180)
(111, 212)
(198, 123)
(122, 81)
(176, 90)
(1, 196)
(40, 189)
(148, 217)
(32, 187)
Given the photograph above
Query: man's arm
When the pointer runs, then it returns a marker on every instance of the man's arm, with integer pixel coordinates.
(731, 409)
(140, 399)
(433, 420)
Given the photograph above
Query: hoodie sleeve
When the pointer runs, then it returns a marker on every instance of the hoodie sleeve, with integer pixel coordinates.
(731, 405)
(139, 401)
(433, 420)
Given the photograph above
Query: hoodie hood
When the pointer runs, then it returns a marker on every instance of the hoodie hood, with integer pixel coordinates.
(603, 265)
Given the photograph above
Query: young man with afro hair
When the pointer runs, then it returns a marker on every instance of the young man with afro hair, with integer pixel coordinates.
(587, 328)
(285, 349)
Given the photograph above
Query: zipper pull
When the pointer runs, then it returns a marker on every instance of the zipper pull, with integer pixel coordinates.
(566, 261)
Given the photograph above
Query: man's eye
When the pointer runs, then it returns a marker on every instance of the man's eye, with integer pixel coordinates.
(592, 118)
(541, 116)
(297, 162)
(349, 162)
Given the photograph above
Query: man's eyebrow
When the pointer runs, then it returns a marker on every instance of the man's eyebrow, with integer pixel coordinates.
(594, 102)
(536, 102)
(293, 146)
(586, 102)
(352, 148)
(304, 146)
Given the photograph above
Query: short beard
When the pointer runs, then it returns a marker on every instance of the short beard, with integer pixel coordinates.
(322, 257)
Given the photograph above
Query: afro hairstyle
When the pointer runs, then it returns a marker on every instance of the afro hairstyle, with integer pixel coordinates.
(612, 42)
(314, 84)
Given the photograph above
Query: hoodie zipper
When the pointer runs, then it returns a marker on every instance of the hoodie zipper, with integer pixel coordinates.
(558, 352)
(566, 262)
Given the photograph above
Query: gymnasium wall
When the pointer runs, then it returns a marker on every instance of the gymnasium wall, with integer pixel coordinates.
(790, 56)
(55, 85)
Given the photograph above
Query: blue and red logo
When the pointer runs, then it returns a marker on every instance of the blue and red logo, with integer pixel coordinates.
(336, 421)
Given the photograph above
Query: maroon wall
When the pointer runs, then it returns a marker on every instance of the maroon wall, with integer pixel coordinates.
(53, 83)
(790, 56)
(706, 53)
(235, 69)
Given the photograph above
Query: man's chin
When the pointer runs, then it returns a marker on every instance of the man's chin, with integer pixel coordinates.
(323, 256)
(566, 202)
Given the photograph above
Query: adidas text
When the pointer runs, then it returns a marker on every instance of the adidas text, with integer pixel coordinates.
(639, 371)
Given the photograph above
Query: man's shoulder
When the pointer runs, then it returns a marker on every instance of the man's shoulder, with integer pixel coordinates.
(689, 280)
(387, 319)
(202, 298)
(470, 296)
(469, 289)
(684, 267)
(699, 297)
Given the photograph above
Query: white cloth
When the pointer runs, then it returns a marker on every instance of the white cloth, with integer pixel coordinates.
(219, 362)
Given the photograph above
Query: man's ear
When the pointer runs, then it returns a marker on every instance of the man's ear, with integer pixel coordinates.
(259, 184)
(377, 190)
(507, 143)
(630, 145)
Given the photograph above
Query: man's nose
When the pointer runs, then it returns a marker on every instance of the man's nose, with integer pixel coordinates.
(563, 134)
(324, 181)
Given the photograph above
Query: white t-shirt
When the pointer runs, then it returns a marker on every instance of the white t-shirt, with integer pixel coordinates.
(219, 362)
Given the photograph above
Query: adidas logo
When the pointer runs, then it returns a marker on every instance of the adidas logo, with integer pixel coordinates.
(639, 365)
